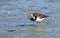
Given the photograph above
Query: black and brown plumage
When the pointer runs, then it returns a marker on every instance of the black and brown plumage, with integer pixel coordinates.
(37, 17)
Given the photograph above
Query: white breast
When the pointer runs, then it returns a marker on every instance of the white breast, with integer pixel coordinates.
(39, 20)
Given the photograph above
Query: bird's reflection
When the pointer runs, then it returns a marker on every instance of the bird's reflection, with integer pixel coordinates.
(36, 31)
(36, 28)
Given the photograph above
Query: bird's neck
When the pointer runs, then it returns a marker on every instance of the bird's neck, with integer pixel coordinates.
(33, 19)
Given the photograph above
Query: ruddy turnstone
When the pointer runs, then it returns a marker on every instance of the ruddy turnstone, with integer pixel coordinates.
(37, 17)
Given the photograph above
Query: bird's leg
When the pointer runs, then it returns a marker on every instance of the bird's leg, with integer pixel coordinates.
(37, 24)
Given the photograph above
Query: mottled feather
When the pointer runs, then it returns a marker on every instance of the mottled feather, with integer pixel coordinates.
(39, 15)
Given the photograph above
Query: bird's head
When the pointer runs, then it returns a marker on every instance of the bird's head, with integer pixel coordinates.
(31, 16)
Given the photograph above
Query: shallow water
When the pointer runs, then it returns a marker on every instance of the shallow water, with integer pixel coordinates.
(13, 13)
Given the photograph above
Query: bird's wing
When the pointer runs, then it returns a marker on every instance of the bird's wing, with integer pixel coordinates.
(40, 15)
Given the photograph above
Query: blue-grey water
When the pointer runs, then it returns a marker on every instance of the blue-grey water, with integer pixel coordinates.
(14, 13)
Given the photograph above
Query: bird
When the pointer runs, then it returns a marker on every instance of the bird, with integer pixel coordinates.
(37, 17)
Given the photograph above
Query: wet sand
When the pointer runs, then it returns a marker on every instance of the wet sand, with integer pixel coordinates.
(15, 24)
(52, 0)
